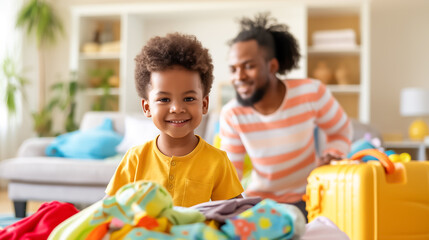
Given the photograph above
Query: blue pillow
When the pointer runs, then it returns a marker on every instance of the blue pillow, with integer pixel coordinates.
(96, 143)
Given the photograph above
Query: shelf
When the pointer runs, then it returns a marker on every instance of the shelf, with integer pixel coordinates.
(355, 88)
(334, 51)
(417, 149)
(100, 91)
(100, 56)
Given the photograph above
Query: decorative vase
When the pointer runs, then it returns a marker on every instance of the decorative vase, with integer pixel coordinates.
(322, 72)
(418, 130)
(342, 74)
(113, 81)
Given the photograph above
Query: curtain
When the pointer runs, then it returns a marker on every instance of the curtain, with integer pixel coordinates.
(10, 45)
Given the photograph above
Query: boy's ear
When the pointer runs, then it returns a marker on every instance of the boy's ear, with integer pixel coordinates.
(146, 108)
(205, 104)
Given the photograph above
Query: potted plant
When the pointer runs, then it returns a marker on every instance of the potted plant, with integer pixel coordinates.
(63, 97)
(37, 17)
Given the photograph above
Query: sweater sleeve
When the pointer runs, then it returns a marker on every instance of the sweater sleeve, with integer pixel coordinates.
(231, 142)
(333, 121)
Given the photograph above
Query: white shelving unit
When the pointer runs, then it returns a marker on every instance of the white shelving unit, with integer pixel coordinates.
(214, 23)
(353, 96)
(100, 56)
(334, 51)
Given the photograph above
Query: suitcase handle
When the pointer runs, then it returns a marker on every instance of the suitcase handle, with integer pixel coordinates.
(382, 157)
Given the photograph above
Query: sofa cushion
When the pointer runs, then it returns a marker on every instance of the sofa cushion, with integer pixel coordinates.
(58, 170)
(98, 143)
(138, 130)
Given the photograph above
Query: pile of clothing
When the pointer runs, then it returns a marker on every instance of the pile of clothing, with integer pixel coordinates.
(144, 210)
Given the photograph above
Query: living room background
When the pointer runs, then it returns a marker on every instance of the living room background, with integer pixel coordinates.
(398, 59)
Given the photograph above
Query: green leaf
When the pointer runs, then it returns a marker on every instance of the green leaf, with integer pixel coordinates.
(38, 18)
(73, 88)
(10, 100)
(54, 102)
(57, 86)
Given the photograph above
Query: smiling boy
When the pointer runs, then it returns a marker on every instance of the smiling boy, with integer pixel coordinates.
(173, 77)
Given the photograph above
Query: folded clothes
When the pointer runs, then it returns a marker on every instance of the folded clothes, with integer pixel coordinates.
(144, 210)
(225, 209)
(135, 205)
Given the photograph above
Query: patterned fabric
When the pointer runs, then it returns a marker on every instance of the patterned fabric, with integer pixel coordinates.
(266, 220)
(281, 145)
(76, 227)
(143, 211)
(136, 205)
(147, 197)
(198, 231)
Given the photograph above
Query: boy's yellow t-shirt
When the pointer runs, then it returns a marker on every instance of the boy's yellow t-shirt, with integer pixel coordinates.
(205, 173)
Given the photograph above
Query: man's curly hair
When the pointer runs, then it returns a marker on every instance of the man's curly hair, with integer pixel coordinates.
(175, 49)
(275, 38)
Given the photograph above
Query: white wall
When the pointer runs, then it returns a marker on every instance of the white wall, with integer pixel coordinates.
(399, 58)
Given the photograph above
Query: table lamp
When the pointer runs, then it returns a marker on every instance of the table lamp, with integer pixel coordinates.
(415, 103)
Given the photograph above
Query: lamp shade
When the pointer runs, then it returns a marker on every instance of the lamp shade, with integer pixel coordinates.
(414, 102)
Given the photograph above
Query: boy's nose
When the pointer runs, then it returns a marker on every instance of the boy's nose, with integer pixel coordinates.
(177, 108)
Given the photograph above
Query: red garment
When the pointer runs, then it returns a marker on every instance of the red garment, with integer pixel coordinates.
(39, 225)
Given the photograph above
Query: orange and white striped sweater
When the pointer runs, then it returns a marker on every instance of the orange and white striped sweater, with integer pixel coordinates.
(281, 145)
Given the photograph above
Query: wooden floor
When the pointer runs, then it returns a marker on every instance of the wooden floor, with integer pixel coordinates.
(6, 205)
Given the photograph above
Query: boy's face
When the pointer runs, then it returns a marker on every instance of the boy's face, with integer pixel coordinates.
(175, 101)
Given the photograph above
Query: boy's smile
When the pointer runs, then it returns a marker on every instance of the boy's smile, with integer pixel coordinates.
(176, 102)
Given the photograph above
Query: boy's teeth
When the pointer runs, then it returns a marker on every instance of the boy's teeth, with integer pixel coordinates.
(178, 121)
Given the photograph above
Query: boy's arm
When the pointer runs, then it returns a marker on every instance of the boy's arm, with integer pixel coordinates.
(231, 142)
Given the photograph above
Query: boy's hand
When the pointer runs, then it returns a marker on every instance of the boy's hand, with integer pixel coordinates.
(326, 159)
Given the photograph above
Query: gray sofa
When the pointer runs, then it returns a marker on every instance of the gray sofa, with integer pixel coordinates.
(34, 176)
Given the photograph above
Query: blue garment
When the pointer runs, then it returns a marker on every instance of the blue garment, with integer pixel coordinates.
(266, 220)
(97, 143)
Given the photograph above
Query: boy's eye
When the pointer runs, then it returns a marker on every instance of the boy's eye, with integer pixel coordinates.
(164, 100)
(189, 99)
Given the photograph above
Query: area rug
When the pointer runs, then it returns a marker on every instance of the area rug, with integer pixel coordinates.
(7, 219)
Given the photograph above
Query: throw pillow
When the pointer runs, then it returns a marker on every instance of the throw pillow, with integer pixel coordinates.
(96, 143)
(138, 130)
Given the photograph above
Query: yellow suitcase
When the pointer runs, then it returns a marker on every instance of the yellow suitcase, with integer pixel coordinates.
(374, 200)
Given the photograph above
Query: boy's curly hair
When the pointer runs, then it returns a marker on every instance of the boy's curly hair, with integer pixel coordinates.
(175, 49)
(275, 38)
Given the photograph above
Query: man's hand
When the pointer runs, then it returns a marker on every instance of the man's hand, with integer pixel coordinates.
(326, 158)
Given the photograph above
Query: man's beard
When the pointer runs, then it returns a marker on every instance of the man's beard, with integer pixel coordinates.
(256, 96)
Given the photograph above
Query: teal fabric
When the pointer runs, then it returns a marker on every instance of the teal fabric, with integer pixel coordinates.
(197, 231)
(266, 220)
(97, 143)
